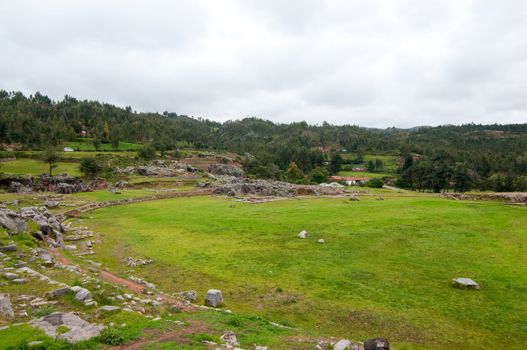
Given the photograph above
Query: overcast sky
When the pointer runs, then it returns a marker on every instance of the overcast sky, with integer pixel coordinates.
(372, 63)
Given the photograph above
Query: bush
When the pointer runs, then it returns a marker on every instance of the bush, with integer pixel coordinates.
(375, 183)
(112, 336)
(147, 153)
(89, 166)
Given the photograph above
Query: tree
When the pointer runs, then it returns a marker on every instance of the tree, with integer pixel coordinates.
(96, 144)
(51, 156)
(461, 178)
(371, 166)
(334, 165)
(375, 183)
(147, 153)
(294, 174)
(319, 174)
(89, 166)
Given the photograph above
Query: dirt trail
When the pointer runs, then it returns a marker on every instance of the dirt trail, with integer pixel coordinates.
(132, 286)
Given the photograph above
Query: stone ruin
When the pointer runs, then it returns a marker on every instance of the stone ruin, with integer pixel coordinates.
(50, 227)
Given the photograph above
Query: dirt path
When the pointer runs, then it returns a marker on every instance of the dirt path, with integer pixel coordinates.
(132, 286)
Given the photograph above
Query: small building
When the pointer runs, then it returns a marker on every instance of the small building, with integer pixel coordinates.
(350, 180)
(68, 149)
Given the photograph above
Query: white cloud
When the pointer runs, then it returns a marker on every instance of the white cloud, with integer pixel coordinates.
(373, 63)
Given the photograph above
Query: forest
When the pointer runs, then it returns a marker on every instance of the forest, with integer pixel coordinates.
(449, 157)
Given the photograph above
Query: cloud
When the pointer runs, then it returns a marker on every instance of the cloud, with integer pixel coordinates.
(375, 63)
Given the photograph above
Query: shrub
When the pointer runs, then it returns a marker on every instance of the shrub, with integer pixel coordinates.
(146, 153)
(44, 311)
(89, 166)
(375, 183)
(112, 336)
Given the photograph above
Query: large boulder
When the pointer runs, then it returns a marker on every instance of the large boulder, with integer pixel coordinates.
(6, 309)
(78, 329)
(214, 298)
(11, 220)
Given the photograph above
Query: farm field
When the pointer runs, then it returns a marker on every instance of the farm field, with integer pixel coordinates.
(37, 167)
(385, 269)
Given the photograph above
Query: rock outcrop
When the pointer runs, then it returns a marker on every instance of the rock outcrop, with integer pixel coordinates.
(6, 309)
(78, 329)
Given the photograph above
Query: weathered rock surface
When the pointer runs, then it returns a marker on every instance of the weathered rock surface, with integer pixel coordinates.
(11, 247)
(10, 276)
(226, 169)
(229, 338)
(377, 344)
(214, 298)
(465, 283)
(6, 309)
(303, 234)
(342, 344)
(79, 329)
(234, 186)
(190, 295)
(81, 294)
(11, 220)
(50, 203)
(57, 293)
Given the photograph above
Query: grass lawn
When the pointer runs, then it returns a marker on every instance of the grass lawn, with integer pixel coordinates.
(385, 269)
(37, 167)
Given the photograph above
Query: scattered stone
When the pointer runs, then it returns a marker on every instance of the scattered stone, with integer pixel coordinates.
(108, 309)
(8, 248)
(303, 234)
(19, 281)
(214, 298)
(129, 261)
(257, 347)
(230, 339)
(377, 344)
(464, 283)
(70, 247)
(380, 198)
(79, 329)
(354, 198)
(81, 294)
(51, 204)
(322, 241)
(6, 309)
(10, 276)
(342, 344)
(190, 295)
(20, 264)
(57, 293)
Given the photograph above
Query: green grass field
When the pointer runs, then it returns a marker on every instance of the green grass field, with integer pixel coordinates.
(364, 174)
(87, 145)
(385, 269)
(37, 167)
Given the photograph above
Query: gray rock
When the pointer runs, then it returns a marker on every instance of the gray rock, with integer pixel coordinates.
(19, 281)
(10, 276)
(190, 295)
(20, 264)
(58, 293)
(377, 344)
(79, 329)
(303, 234)
(12, 221)
(342, 344)
(6, 309)
(465, 283)
(81, 293)
(321, 241)
(9, 248)
(225, 169)
(108, 309)
(214, 298)
(51, 204)
(47, 258)
(230, 339)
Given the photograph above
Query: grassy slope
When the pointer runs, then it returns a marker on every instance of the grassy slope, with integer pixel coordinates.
(38, 167)
(385, 269)
(87, 145)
